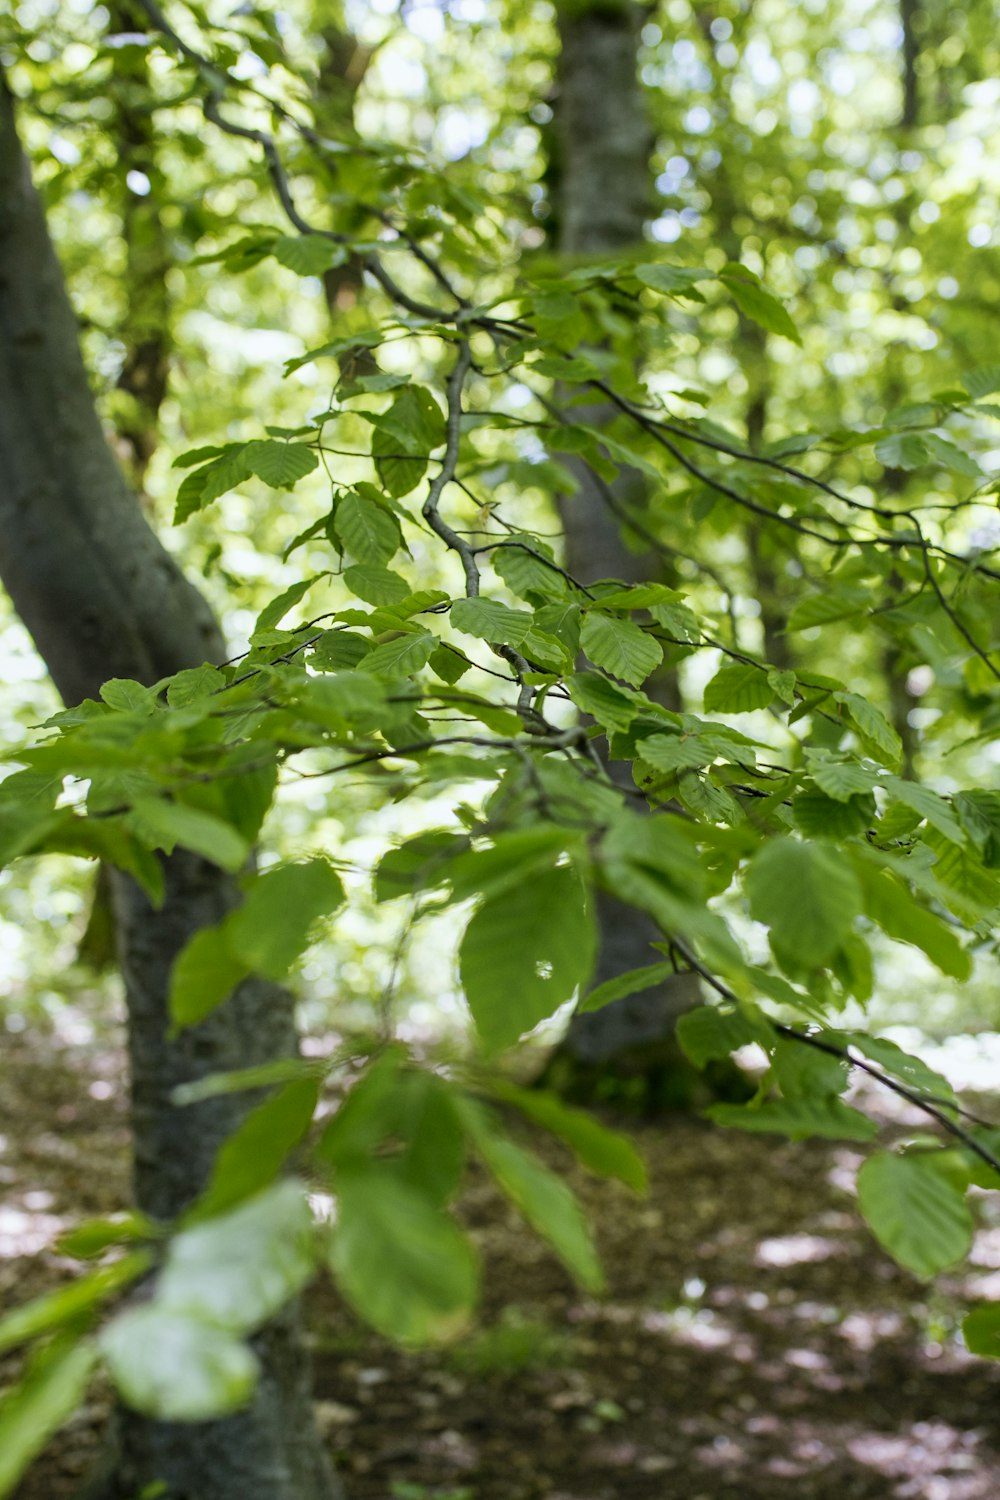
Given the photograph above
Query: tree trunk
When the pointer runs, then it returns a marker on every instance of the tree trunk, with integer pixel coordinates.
(603, 143)
(102, 598)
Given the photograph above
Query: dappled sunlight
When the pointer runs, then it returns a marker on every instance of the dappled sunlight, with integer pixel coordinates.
(932, 1461)
(797, 1250)
(26, 1228)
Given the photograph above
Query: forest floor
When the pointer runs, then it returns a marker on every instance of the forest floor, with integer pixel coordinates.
(754, 1343)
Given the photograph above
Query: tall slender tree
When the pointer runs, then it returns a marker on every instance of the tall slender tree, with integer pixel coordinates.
(103, 599)
(602, 190)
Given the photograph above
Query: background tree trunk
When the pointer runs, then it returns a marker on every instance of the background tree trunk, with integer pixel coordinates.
(102, 598)
(601, 194)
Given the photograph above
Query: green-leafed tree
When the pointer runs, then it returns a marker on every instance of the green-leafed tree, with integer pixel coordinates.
(430, 638)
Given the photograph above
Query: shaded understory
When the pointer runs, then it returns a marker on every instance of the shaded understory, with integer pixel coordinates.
(754, 1345)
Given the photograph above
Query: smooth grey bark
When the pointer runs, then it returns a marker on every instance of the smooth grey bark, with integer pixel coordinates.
(102, 598)
(602, 189)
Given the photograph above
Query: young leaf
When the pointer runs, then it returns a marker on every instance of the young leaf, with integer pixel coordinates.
(402, 657)
(824, 1116)
(981, 1331)
(34, 1409)
(67, 1303)
(546, 1202)
(376, 585)
(619, 647)
(524, 952)
(400, 1261)
(601, 1150)
(367, 531)
(807, 894)
(308, 254)
(491, 621)
(270, 930)
(756, 303)
(888, 901)
(236, 1270)
(612, 706)
(915, 1210)
(255, 1153)
(281, 465)
(177, 1368)
(634, 982)
(673, 281)
(711, 1032)
(205, 973)
(738, 688)
(164, 824)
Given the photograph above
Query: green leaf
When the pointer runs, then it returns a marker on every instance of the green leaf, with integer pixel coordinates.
(738, 688)
(366, 529)
(950, 456)
(928, 803)
(981, 1330)
(842, 779)
(982, 382)
(93, 1236)
(824, 609)
(783, 684)
(271, 929)
(603, 1151)
(917, 450)
(427, 1129)
(673, 281)
(979, 811)
(164, 824)
(399, 1260)
(620, 647)
(873, 726)
(281, 465)
(255, 1153)
(756, 303)
(420, 864)
(913, 1071)
(34, 1409)
(194, 684)
(308, 254)
(888, 901)
(177, 1368)
(130, 697)
(202, 486)
(491, 621)
(524, 952)
(819, 816)
(360, 338)
(902, 450)
(404, 436)
(711, 803)
(635, 982)
(205, 973)
(675, 752)
(915, 1210)
(68, 1303)
(612, 706)
(525, 571)
(337, 649)
(546, 1202)
(807, 894)
(236, 1270)
(402, 657)
(825, 1116)
(711, 1032)
(376, 585)
(274, 612)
